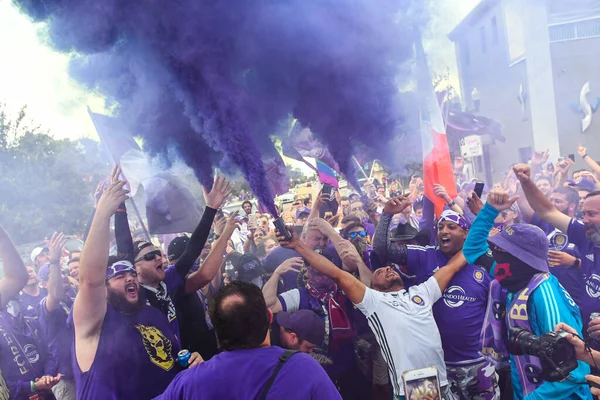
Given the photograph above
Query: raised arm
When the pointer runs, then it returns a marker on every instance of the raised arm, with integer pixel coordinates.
(589, 160)
(526, 210)
(270, 288)
(441, 192)
(214, 200)
(342, 246)
(445, 274)
(90, 304)
(15, 274)
(56, 288)
(354, 289)
(123, 234)
(382, 246)
(212, 264)
(538, 202)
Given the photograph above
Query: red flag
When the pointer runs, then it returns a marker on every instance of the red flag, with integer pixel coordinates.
(437, 165)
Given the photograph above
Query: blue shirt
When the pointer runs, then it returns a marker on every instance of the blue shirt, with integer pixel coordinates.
(548, 305)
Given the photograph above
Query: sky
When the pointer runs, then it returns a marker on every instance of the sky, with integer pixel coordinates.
(34, 75)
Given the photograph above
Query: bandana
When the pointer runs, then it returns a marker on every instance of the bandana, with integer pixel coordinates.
(453, 216)
(120, 267)
(512, 273)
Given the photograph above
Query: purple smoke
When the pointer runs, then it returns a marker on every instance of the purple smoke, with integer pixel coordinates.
(212, 80)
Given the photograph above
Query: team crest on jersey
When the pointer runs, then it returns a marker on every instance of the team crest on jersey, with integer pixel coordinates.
(157, 346)
(478, 276)
(418, 300)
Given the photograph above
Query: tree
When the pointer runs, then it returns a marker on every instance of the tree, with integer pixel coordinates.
(46, 184)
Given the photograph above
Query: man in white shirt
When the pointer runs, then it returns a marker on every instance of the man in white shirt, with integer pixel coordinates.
(402, 320)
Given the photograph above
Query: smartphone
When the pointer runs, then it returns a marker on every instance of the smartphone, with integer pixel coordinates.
(572, 157)
(422, 384)
(479, 188)
(252, 219)
(327, 190)
(560, 159)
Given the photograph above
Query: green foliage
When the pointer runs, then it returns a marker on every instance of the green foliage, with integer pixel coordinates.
(45, 184)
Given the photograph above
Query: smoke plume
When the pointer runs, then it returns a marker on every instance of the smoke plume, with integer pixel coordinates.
(212, 80)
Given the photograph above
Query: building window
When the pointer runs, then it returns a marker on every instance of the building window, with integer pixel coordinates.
(482, 35)
(466, 56)
(494, 30)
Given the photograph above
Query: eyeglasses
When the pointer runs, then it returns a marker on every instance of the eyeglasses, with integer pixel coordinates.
(149, 256)
(353, 235)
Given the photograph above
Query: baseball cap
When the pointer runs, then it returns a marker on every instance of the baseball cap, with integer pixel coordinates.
(138, 246)
(36, 252)
(177, 247)
(248, 267)
(405, 231)
(305, 323)
(303, 210)
(118, 268)
(44, 273)
(584, 183)
(526, 242)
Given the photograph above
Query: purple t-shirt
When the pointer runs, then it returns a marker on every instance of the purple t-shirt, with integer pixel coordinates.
(23, 355)
(570, 278)
(136, 357)
(243, 374)
(30, 303)
(590, 259)
(162, 298)
(57, 335)
(460, 312)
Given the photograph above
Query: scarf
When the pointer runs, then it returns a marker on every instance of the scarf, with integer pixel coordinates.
(340, 327)
(496, 324)
(159, 298)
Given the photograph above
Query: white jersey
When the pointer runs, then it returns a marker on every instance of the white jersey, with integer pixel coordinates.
(405, 329)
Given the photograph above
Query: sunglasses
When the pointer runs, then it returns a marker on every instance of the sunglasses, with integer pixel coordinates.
(354, 235)
(149, 256)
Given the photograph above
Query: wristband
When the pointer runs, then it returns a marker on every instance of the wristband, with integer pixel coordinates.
(54, 262)
(577, 263)
(584, 156)
(452, 204)
(32, 386)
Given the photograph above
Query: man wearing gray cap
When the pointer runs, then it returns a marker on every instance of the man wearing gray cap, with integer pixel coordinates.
(302, 330)
(523, 295)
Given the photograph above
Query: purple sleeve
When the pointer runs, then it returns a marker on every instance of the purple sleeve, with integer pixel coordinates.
(576, 233)
(19, 389)
(173, 280)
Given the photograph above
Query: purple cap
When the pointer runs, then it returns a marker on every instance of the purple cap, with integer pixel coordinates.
(302, 211)
(44, 273)
(118, 268)
(304, 323)
(526, 242)
(584, 183)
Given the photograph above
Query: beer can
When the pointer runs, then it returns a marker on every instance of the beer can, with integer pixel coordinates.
(594, 315)
(183, 358)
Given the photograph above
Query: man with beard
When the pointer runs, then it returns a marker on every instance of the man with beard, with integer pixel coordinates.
(32, 294)
(401, 320)
(460, 314)
(123, 349)
(532, 298)
(583, 234)
(321, 295)
(564, 256)
(161, 285)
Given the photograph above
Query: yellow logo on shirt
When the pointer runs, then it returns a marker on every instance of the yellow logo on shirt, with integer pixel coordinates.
(417, 300)
(157, 346)
(478, 276)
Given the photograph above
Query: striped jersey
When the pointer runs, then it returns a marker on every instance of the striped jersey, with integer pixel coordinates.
(405, 329)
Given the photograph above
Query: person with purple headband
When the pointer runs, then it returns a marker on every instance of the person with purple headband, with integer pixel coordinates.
(460, 313)
(122, 348)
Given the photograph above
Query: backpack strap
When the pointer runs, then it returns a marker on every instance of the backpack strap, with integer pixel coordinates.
(282, 359)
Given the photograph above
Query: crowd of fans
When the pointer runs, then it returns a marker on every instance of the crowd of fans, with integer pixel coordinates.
(360, 290)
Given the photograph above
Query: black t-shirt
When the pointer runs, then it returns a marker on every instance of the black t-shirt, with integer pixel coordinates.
(194, 331)
(275, 333)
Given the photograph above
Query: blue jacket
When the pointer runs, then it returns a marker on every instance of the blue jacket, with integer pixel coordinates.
(548, 305)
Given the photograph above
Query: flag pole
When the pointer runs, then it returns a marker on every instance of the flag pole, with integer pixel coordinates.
(135, 209)
(360, 167)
